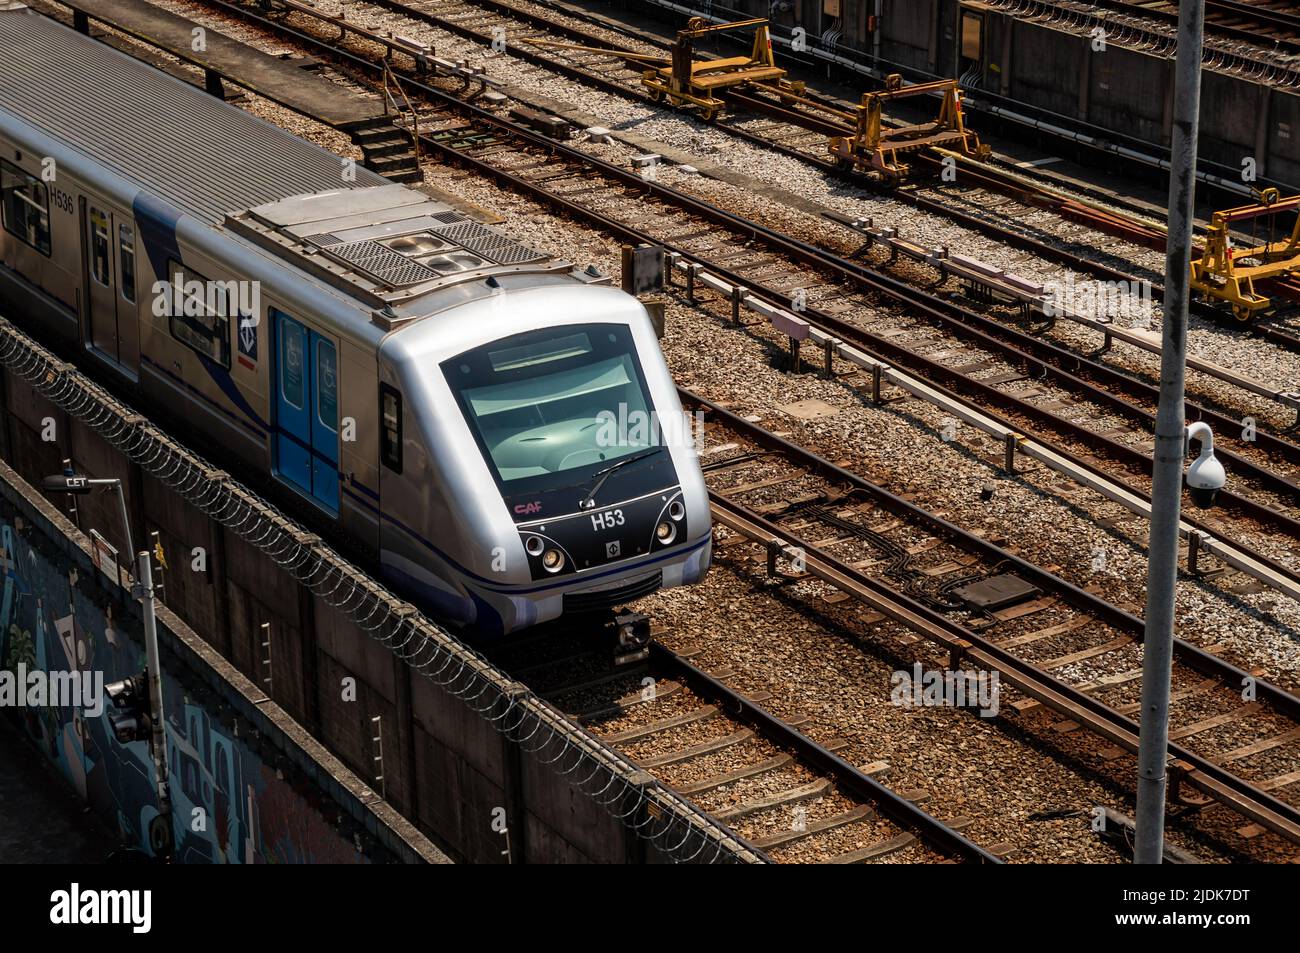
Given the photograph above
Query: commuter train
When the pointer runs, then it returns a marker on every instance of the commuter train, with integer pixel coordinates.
(450, 398)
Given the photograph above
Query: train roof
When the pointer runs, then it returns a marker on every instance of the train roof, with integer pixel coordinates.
(390, 248)
(205, 158)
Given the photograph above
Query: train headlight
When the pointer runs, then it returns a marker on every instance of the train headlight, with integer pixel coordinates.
(534, 545)
(676, 511)
(553, 560)
(666, 532)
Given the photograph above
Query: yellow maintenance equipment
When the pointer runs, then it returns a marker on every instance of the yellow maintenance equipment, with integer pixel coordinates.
(1228, 273)
(688, 81)
(878, 150)
(683, 80)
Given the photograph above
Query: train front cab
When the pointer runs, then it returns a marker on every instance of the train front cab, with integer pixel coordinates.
(562, 503)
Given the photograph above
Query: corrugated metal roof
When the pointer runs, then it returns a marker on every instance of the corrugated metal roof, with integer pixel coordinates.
(203, 156)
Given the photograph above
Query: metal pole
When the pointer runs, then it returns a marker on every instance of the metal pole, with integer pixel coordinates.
(158, 741)
(126, 520)
(1167, 481)
(878, 11)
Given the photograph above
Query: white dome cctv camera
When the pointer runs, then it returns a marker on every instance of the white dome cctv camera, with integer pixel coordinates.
(1206, 476)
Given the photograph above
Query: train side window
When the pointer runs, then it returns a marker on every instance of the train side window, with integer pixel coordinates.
(126, 260)
(293, 378)
(25, 207)
(202, 323)
(390, 427)
(99, 246)
(327, 385)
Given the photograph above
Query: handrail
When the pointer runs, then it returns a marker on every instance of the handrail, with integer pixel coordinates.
(388, 98)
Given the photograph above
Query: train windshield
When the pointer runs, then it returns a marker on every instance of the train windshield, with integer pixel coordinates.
(551, 407)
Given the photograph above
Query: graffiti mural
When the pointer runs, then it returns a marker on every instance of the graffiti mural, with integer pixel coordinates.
(228, 804)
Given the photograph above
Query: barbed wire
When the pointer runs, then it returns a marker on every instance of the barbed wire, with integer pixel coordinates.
(1130, 30)
(633, 797)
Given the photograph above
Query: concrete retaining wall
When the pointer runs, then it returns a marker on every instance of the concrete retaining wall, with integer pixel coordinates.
(246, 785)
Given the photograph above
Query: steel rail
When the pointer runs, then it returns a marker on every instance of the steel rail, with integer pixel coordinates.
(1217, 11)
(1252, 63)
(965, 644)
(954, 317)
(987, 178)
(846, 775)
(990, 179)
(758, 104)
(937, 375)
(1191, 655)
(664, 663)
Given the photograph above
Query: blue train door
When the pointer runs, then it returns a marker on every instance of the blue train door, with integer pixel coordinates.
(307, 410)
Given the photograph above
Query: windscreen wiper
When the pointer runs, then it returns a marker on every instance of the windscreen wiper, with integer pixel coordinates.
(588, 501)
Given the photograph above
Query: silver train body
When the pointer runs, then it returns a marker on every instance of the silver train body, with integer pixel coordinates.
(471, 411)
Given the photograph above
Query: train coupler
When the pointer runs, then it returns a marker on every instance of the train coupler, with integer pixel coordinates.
(631, 637)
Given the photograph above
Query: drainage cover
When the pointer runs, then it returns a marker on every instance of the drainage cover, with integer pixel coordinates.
(996, 592)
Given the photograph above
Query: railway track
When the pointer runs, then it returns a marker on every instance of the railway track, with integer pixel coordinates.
(773, 264)
(789, 796)
(1056, 643)
(800, 134)
(784, 128)
(522, 167)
